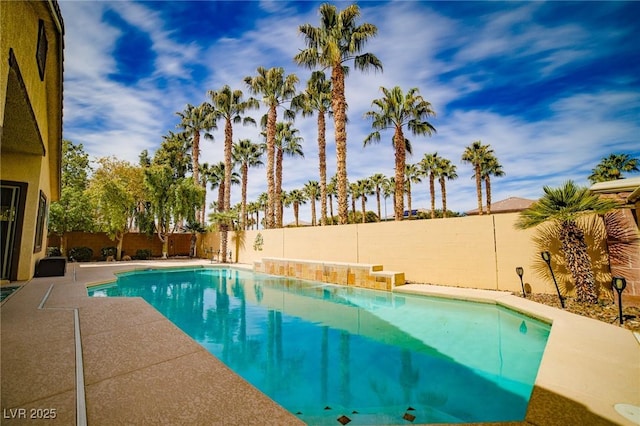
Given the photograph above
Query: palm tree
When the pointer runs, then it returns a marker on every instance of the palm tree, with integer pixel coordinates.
(332, 190)
(312, 190)
(246, 154)
(563, 206)
(388, 190)
(337, 40)
(476, 154)
(363, 188)
(395, 110)
(263, 202)
(445, 170)
(611, 168)
(287, 142)
(317, 97)
(490, 167)
(412, 174)
(205, 177)
(378, 181)
(353, 190)
(276, 89)
(196, 119)
(428, 167)
(297, 197)
(253, 208)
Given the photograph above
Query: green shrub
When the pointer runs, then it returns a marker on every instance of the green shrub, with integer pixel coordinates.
(81, 254)
(53, 251)
(108, 251)
(143, 254)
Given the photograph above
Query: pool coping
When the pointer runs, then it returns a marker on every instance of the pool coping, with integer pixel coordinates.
(588, 366)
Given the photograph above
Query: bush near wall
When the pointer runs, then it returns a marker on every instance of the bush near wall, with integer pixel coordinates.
(178, 243)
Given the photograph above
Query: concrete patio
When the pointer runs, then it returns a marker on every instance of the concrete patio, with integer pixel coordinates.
(118, 361)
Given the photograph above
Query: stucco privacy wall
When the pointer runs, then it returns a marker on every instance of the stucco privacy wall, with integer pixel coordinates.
(473, 251)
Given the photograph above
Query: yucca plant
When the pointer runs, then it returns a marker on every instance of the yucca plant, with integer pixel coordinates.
(564, 206)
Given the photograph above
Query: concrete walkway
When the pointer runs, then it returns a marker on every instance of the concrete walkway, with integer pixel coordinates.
(118, 361)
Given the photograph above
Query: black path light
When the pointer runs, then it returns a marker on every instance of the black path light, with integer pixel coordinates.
(619, 284)
(520, 272)
(546, 256)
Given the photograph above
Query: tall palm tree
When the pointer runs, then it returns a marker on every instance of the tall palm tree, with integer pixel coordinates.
(205, 177)
(194, 120)
(253, 208)
(388, 190)
(317, 97)
(312, 190)
(611, 168)
(297, 197)
(476, 154)
(363, 188)
(287, 142)
(490, 167)
(396, 110)
(276, 89)
(428, 167)
(336, 41)
(378, 180)
(563, 206)
(412, 174)
(445, 169)
(246, 154)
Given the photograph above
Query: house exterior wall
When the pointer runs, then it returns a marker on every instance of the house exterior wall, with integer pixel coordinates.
(30, 114)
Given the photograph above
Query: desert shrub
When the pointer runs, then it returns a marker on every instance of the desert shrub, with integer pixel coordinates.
(53, 251)
(143, 254)
(81, 254)
(108, 251)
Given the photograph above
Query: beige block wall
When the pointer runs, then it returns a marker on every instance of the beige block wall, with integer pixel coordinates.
(472, 251)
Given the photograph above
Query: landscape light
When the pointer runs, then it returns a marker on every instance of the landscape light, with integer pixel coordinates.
(619, 284)
(546, 256)
(520, 272)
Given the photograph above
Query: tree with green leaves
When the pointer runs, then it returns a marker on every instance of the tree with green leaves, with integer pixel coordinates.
(378, 180)
(296, 198)
(194, 120)
(490, 167)
(116, 188)
(611, 168)
(445, 170)
(335, 42)
(246, 154)
(395, 110)
(287, 142)
(428, 167)
(317, 98)
(74, 210)
(412, 174)
(276, 89)
(476, 154)
(388, 190)
(562, 207)
(363, 188)
(312, 191)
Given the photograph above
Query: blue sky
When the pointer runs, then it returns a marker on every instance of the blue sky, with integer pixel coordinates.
(552, 87)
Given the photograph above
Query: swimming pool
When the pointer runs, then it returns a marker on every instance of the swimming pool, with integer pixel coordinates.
(325, 351)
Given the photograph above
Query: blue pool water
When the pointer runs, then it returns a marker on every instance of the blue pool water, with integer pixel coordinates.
(324, 351)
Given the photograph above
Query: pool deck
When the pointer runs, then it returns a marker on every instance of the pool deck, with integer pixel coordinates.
(118, 361)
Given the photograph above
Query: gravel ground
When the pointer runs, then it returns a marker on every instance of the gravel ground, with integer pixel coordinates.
(604, 311)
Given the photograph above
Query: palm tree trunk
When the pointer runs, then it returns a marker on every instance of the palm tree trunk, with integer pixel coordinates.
(313, 211)
(296, 209)
(578, 261)
(271, 137)
(432, 191)
(278, 189)
(409, 198)
(364, 209)
(487, 187)
(228, 166)
(243, 214)
(322, 159)
(378, 199)
(195, 156)
(338, 104)
(331, 207)
(400, 158)
(443, 189)
(479, 188)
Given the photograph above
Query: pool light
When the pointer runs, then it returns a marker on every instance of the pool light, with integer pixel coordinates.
(520, 272)
(619, 284)
(546, 256)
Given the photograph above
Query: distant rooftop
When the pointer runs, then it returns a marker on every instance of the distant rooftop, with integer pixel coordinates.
(509, 205)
